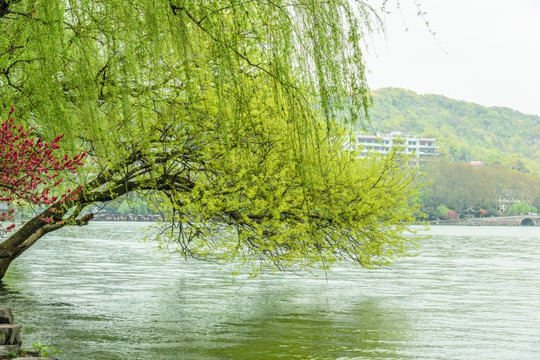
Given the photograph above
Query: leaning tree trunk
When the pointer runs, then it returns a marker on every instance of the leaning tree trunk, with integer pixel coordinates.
(33, 230)
(27, 236)
(21, 240)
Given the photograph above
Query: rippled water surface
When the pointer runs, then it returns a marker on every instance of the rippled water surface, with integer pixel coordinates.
(97, 292)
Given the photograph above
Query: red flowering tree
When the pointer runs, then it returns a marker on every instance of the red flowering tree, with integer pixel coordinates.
(30, 169)
(452, 215)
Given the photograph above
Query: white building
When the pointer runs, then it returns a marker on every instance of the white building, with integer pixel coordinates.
(508, 198)
(416, 145)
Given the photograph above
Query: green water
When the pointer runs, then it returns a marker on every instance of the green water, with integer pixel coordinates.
(97, 292)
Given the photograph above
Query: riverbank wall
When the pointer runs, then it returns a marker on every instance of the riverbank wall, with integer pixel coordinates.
(10, 339)
(522, 220)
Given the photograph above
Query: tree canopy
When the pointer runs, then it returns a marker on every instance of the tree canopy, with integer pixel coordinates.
(521, 208)
(222, 113)
(458, 186)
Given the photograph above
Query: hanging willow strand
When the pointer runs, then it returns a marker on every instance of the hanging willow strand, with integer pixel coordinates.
(228, 113)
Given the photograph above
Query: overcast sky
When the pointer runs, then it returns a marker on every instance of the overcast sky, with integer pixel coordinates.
(491, 52)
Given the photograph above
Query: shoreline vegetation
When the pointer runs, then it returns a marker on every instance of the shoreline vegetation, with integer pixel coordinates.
(491, 221)
(127, 217)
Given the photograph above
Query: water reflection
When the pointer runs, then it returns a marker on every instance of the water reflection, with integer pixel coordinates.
(365, 331)
(278, 318)
(98, 293)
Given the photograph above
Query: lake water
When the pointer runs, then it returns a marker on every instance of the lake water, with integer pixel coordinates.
(97, 292)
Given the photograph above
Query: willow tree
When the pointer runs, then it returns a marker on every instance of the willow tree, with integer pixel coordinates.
(228, 113)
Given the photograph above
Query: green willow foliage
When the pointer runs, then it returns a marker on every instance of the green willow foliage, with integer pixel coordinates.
(223, 113)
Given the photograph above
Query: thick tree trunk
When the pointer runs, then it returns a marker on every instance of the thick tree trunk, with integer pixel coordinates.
(33, 230)
(21, 240)
(27, 236)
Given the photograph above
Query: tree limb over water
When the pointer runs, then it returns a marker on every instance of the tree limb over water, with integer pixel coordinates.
(229, 114)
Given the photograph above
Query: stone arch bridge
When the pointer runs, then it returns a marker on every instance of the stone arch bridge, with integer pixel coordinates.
(520, 220)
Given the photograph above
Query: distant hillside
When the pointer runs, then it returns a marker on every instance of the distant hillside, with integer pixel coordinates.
(464, 131)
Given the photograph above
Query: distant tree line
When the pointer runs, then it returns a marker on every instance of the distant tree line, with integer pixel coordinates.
(457, 187)
(137, 203)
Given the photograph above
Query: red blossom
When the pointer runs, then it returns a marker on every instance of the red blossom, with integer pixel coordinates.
(451, 215)
(27, 166)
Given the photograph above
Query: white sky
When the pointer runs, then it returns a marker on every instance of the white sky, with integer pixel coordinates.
(492, 52)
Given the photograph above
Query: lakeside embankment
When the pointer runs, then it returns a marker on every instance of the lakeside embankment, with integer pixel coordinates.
(127, 217)
(520, 220)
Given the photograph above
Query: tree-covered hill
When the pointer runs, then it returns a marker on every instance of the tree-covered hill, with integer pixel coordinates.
(464, 131)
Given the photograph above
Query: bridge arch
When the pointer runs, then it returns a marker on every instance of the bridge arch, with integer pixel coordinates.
(527, 222)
